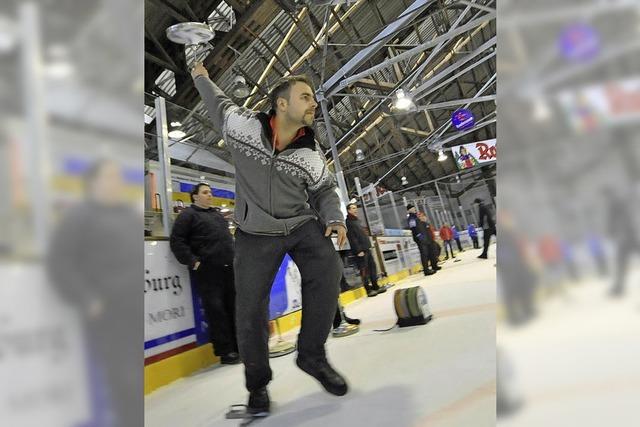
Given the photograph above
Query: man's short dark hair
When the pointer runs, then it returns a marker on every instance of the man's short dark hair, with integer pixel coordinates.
(283, 86)
(196, 190)
(351, 204)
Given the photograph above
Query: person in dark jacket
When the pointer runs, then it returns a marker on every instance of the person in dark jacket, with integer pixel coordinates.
(361, 248)
(424, 240)
(201, 240)
(487, 224)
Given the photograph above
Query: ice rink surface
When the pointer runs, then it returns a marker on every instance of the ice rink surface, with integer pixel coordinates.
(440, 374)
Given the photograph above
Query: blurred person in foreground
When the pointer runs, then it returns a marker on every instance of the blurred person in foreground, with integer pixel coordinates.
(424, 240)
(361, 249)
(286, 203)
(201, 240)
(516, 278)
(93, 263)
(488, 225)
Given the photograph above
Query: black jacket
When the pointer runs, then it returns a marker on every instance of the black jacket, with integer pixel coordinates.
(418, 229)
(358, 240)
(485, 213)
(201, 235)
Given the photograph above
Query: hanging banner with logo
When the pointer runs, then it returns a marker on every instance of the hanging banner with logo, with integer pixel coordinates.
(609, 104)
(463, 119)
(470, 155)
(579, 42)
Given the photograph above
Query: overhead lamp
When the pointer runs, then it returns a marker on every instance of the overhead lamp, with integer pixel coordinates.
(176, 124)
(8, 35)
(225, 210)
(240, 89)
(441, 156)
(59, 69)
(404, 180)
(202, 178)
(176, 134)
(402, 102)
(359, 155)
(541, 111)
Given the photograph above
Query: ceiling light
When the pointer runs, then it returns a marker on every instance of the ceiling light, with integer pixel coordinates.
(404, 180)
(176, 124)
(441, 156)
(202, 178)
(541, 111)
(402, 102)
(225, 210)
(7, 35)
(359, 155)
(58, 70)
(240, 89)
(176, 134)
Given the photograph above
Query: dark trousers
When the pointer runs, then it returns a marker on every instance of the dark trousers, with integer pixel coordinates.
(488, 232)
(257, 259)
(623, 257)
(476, 245)
(448, 248)
(459, 245)
(368, 270)
(214, 284)
(428, 255)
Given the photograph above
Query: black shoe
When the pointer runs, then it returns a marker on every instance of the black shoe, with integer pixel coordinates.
(332, 381)
(232, 358)
(482, 256)
(259, 403)
(429, 272)
(380, 290)
(372, 293)
(438, 268)
(351, 321)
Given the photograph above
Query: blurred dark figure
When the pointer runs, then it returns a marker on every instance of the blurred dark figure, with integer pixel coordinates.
(488, 225)
(551, 255)
(596, 249)
(624, 234)
(516, 278)
(95, 261)
(569, 260)
(200, 239)
(361, 249)
(456, 237)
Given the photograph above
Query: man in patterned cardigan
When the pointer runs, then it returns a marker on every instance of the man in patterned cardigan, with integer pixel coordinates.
(285, 203)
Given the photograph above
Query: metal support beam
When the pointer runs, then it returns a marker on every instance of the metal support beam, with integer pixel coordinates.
(36, 153)
(455, 66)
(440, 40)
(334, 151)
(447, 104)
(331, 85)
(164, 162)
